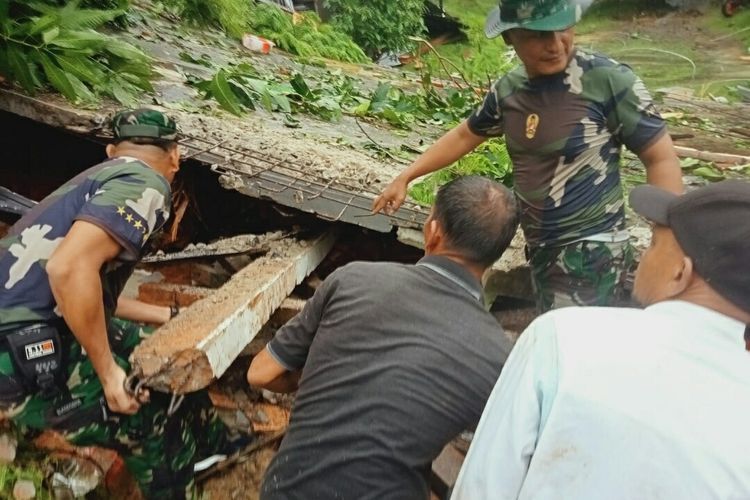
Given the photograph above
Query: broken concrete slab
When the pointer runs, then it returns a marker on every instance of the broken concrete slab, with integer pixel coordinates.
(187, 353)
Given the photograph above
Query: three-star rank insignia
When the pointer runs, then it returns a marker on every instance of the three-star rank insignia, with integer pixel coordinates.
(532, 123)
(135, 222)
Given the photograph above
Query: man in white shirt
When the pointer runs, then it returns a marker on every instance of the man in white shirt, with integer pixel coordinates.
(605, 403)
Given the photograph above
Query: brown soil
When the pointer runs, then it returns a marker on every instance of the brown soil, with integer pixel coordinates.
(239, 482)
(718, 62)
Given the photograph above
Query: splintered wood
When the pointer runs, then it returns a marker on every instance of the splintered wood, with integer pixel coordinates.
(198, 345)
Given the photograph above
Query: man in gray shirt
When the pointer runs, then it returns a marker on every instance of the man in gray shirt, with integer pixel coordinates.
(392, 361)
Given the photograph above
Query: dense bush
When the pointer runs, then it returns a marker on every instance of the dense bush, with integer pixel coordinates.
(378, 25)
(49, 46)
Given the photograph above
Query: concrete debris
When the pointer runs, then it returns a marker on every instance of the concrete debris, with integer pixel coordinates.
(24, 490)
(199, 344)
(8, 444)
(228, 246)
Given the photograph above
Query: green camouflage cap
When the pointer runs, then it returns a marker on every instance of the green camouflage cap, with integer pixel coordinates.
(538, 15)
(144, 122)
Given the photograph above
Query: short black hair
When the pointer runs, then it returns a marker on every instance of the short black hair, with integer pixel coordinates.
(164, 144)
(479, 217)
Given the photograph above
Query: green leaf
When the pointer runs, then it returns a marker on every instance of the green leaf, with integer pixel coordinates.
(380, 96)
(82, 67)
(266, 101)
(122, 94)
(81, 90)
(223, 94)
(42, 23)
(709, 173)
(19, 67)
(301, 87)
(50, 34)
(81, 40)
(57, 77)
(282, 102)
(125, 50)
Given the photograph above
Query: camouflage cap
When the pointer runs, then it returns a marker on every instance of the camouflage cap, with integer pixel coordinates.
(144, 122)
(539, 15)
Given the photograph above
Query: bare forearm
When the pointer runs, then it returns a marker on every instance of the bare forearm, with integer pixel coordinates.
(78, 293)
(662, 165)
(666, 174)
(448, 149)
(284, 383)
(135, 310)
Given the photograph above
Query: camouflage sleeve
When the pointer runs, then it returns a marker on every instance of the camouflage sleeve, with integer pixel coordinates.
(633, 118)
(487, 120)
(129, 205)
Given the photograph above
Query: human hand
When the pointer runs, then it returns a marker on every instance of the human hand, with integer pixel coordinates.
(392, 197)
(119, 400)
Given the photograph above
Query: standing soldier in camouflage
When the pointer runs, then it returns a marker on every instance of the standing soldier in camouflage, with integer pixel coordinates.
(565, 114)
(63, 357)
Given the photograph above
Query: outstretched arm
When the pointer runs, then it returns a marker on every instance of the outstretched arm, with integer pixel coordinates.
(135, 310)
(662, 165)
(449, 148)
(73, 271)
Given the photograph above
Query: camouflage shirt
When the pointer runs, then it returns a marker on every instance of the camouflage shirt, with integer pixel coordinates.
(123, 196)
(564, 134)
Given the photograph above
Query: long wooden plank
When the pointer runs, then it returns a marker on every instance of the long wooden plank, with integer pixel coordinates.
(198, 346)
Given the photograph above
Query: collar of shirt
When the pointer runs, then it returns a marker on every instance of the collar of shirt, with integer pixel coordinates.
(455, 272)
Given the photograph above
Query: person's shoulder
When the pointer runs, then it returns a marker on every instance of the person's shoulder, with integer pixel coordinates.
(360, 268)
(514, 80)
(580, 322)
(600, 67)
(132, 170)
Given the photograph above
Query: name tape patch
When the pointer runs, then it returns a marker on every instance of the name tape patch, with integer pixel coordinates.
(39, 349)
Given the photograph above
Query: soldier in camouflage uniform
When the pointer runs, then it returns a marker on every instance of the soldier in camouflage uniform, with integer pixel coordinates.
(63, 355)
(565, 114)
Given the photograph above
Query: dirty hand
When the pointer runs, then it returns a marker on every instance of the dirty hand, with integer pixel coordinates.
(392, 197)
(118, 399)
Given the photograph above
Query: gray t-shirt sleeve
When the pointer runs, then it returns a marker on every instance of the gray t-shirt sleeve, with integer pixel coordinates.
(292, 341)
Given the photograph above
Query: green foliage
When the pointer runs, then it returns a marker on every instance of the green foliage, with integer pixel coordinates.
(378, 25)
(58, 47)
(490, 159)
(230, 15)
(10, 473)
(306, 37)
(241, 88)
(402, 109)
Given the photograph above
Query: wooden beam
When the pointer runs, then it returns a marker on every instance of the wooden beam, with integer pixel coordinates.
(198, 345)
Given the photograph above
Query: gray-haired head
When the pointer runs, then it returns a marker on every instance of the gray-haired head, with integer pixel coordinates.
(479, 217)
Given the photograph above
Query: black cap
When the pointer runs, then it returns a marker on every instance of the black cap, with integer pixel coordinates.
(712, 226)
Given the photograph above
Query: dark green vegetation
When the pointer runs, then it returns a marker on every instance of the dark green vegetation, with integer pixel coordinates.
(50, 46)
(304, 36)
(378, 25)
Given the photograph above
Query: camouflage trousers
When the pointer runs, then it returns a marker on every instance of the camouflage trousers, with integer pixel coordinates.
(159, 451)
(584, 273)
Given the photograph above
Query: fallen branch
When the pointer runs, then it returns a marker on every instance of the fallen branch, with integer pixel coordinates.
(380, 147)
(684, 152)
(652, 49)
(442, 60)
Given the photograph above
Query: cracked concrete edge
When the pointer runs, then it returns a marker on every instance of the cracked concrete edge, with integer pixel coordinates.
(190, 368)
